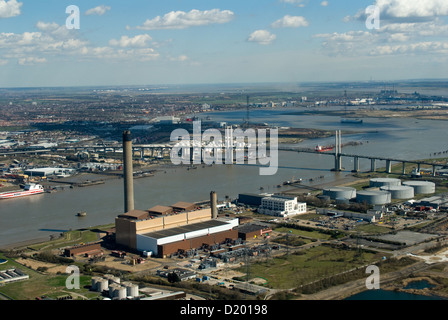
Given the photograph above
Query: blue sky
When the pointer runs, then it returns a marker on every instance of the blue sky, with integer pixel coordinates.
(147, 42)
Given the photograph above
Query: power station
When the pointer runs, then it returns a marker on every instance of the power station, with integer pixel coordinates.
(164, 230)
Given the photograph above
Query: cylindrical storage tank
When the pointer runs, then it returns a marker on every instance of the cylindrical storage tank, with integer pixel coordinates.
(112, 278)
(400, 192)
(340, 193)
(112, 288)
(120, 293)
(384, 182)
(131, 289)
(102, 285)
(95, 281)
(374, 197)
(421, 187)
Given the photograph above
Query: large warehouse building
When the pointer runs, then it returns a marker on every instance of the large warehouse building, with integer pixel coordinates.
(163, 231)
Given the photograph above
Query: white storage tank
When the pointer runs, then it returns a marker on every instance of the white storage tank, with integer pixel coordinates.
(95, 283)
(384, 182)
(340, 193)
(102, 285)
(131, 289)
(374, 197)
(421, 187)
(400, 192)
(112, 278)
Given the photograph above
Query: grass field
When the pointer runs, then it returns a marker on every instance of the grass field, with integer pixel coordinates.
(296, 269)
(303, 233)
(40, 284)
(372, 229)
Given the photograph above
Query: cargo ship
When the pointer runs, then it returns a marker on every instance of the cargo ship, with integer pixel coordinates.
(28, 190)
(323, 149)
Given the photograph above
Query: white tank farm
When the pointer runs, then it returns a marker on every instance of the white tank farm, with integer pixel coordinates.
(384, 182)
(400, 192)
(340, 193)
(421, 187)
(374, 197)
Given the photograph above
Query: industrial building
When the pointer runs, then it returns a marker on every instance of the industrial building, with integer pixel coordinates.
(250, 199)
(280, 206)
(183, 238)
(87, 249)
(165, 230)
(12, 275)
(253, 231)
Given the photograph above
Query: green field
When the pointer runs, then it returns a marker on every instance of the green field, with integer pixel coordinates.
(297, 269)
(303, 233)
(372, 229)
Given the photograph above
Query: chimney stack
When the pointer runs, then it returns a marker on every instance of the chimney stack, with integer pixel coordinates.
(128, 172)
(214, 204)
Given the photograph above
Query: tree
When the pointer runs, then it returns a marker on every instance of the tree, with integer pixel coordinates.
(173, 277)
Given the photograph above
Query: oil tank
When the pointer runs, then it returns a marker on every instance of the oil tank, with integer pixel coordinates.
(131, 289)
(117, 291)
(374, 197)
(421, 187)
(112, 278)
(102, 285)
(340, 193)
(95, 281)
(384, 182)
(399, 192)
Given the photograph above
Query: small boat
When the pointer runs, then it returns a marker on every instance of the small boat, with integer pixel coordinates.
(323, 149)
(81, 214)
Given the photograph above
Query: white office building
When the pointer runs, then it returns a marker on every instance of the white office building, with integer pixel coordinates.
(281, 206)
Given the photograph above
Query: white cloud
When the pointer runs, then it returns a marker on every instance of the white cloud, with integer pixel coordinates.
(413, 8)
(140, 40)
(291, 22)
(262, 37)
(324, 3)
(9, 9)
(100, 10)
(31, 61)
(182, 20)
(298, 3)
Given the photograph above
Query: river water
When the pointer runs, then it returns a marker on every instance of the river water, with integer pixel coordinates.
(39, 216)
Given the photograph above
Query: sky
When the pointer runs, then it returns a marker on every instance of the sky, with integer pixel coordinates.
(148, 42)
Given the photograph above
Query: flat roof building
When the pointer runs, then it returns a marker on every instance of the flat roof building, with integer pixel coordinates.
(281, 206)
(168, 241)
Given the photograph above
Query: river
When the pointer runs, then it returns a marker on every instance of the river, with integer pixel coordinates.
(39, 216)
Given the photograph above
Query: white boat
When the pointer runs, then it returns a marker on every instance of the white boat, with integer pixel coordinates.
(28, 190)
